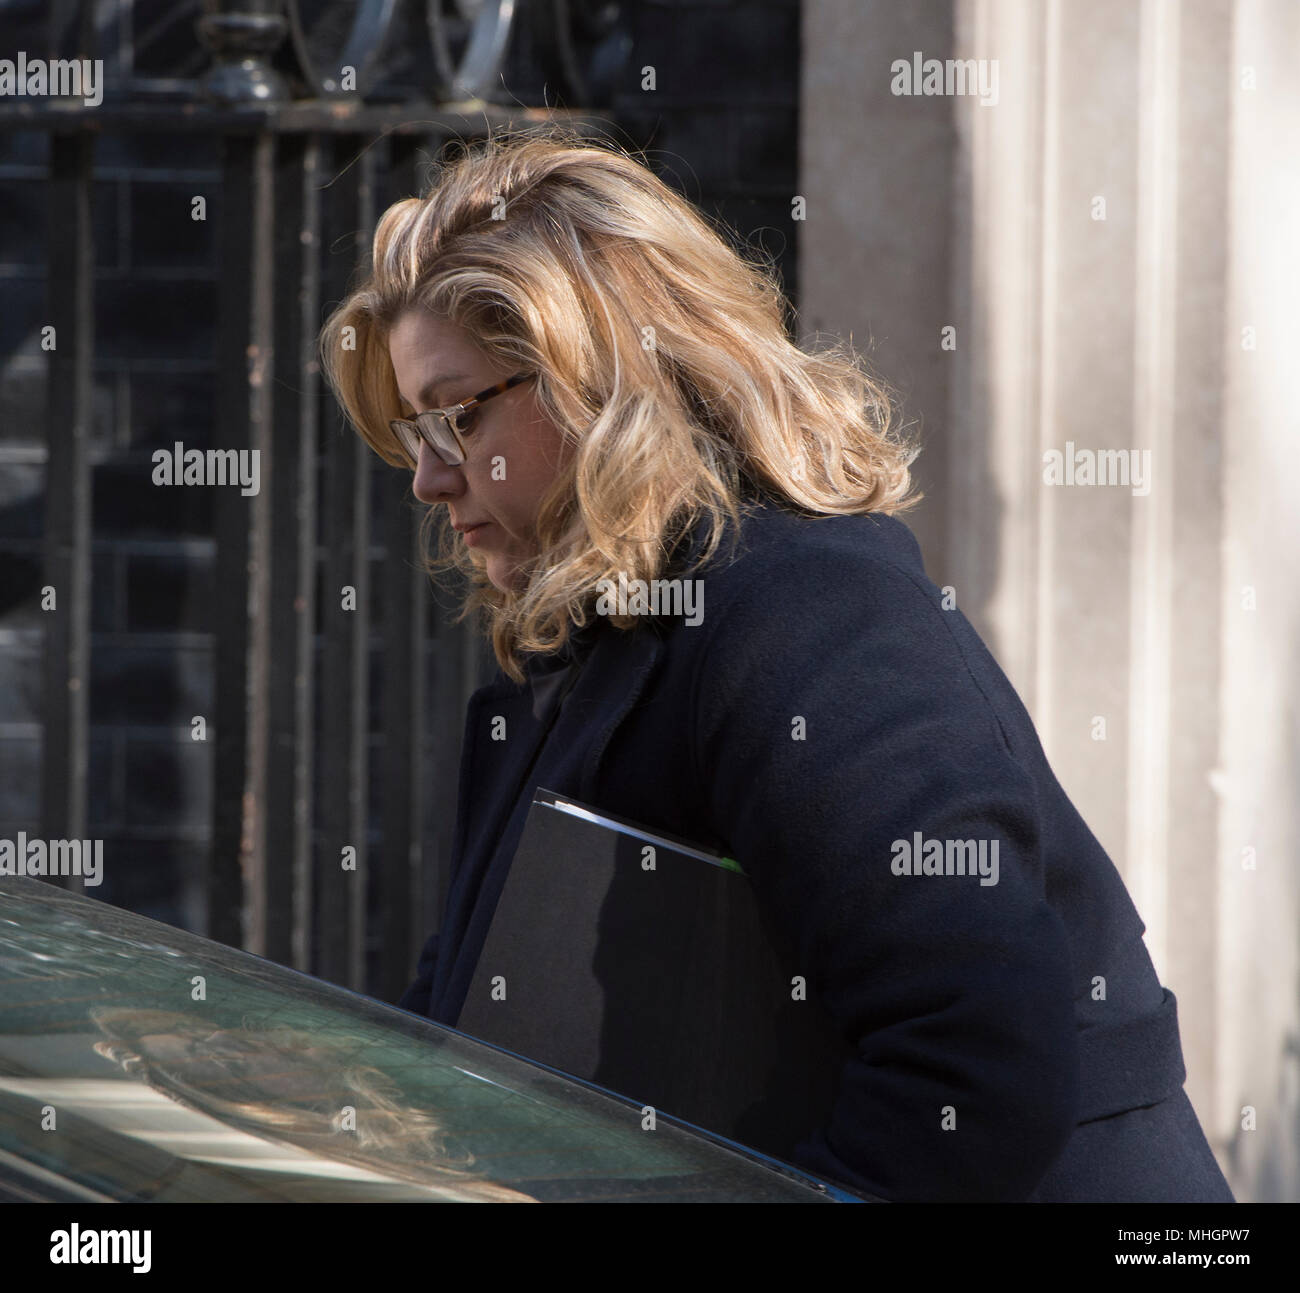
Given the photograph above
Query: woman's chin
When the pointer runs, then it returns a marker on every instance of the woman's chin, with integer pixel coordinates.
(505, 569)
(503, 573)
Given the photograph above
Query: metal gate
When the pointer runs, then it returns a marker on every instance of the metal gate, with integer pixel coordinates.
(302, 683)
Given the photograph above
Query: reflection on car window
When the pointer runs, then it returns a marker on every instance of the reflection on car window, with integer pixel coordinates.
(175, 1068)
(252, 1077)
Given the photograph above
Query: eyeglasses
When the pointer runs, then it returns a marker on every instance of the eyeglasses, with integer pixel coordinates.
(443, 430)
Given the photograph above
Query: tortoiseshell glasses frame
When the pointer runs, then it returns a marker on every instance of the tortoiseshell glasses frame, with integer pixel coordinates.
(443, 430)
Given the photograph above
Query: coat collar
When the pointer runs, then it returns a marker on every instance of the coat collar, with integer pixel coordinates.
(617, 664)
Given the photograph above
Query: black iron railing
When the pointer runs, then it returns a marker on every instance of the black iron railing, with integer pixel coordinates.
(302, 182)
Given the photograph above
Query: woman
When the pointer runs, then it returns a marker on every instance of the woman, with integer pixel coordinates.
(625, 405)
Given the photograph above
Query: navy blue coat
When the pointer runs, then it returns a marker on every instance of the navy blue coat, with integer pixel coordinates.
(1012, 1039)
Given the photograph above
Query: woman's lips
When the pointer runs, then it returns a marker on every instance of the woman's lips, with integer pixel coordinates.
(472, 535)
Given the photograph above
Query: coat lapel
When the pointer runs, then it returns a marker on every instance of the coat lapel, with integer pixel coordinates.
(488, 769)
(611, 682)
(495, 773)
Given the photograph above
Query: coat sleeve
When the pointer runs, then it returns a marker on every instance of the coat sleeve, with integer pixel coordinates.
(416, 996)
(837, 715)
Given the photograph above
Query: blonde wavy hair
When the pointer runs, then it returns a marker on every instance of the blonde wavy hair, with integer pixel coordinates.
(662, 358)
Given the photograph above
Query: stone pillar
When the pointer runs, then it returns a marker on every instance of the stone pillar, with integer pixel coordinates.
(876, 172)
(1256, 780)
(1119, 242)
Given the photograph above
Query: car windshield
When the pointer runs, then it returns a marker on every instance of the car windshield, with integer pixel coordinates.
(140, 1062)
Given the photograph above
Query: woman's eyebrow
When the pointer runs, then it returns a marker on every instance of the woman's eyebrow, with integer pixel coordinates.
(426, 392)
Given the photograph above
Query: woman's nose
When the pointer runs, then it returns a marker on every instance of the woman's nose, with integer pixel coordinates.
(434, 480)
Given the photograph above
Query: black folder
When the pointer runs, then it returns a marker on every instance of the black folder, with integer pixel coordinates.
(664, 983)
